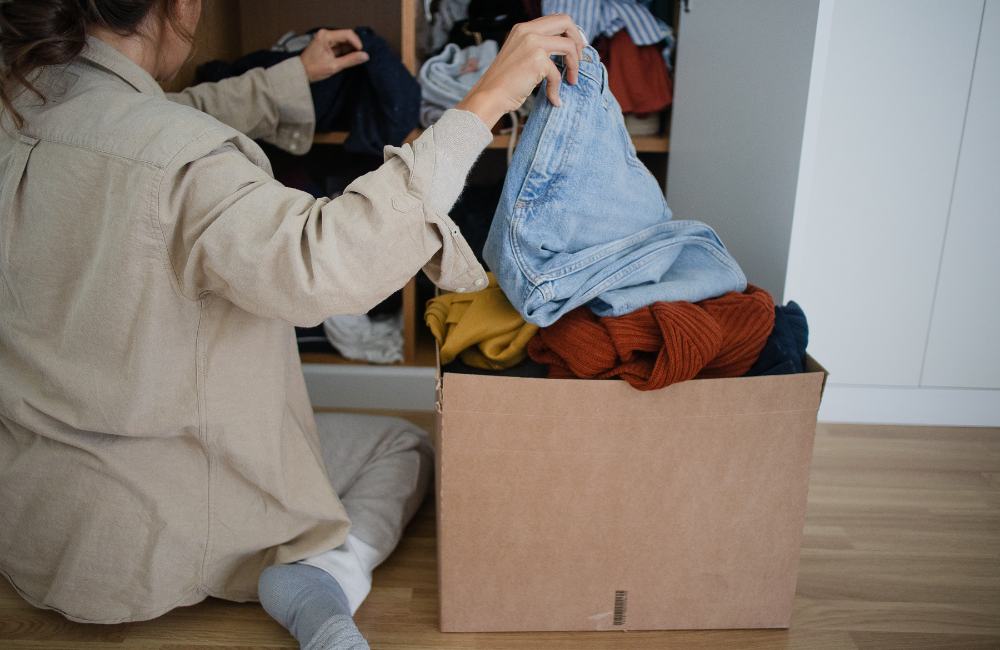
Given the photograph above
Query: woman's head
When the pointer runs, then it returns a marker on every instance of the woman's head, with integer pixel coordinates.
(39, 33)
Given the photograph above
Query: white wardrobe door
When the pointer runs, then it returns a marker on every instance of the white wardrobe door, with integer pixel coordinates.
(736, 131)
(894, 99)
(963, 349)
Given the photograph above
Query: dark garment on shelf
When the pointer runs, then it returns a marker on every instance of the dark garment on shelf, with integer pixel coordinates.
(533, 7)
(660, 344)
(488, 20)
(662, 9)
(313, 339)
(473, 214)
(527, 368)
(377, 102)
(785, 350)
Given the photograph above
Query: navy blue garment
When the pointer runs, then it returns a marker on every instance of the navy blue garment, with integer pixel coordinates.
(785, 350)
(377, 102)
(473, 214)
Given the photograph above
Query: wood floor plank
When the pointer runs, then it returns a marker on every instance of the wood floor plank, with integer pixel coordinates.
(885, 616)
(825, 538)
(903, 479)
(988, 435)
(901, 549)
(904, 641)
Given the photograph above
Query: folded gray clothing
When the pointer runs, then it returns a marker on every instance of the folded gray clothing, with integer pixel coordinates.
(446, 78)
(430, 113)
(376, 339)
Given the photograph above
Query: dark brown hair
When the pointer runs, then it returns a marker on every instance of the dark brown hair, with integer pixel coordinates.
(39, 33)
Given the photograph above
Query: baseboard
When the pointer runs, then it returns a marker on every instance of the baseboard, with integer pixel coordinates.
(408, 388)
(960, 407)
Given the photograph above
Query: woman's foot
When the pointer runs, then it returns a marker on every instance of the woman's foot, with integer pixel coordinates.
(311, 605)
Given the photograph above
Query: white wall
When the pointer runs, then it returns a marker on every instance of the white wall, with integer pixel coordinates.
(881, 150)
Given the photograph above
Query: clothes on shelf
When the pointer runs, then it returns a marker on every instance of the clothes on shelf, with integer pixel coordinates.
(487, 20)
(607, 17)
(471, 23)
(371, 338)
(377, 102)
(660, 344)
(582, 221)
(447, 77)
(481, 327)
(638, 76)
(785, 350)
(441, 22)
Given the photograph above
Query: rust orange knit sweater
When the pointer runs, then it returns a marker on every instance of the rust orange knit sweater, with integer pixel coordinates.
(661, 344)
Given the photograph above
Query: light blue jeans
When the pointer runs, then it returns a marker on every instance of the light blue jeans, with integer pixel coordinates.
(582, 221)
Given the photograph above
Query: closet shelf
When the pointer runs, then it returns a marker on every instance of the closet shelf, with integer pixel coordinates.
(646, 143)
(424, 353)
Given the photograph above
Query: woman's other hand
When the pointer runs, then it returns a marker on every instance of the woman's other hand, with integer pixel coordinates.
(521, 65)
(330, 51)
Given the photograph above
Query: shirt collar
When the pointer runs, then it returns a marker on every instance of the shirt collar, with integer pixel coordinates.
(99, 53)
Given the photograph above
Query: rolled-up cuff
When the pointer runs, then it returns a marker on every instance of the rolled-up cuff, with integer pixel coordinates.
(297, 117)
(451, 265)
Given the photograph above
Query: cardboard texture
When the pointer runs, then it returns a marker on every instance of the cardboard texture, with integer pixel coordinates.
(589, 505)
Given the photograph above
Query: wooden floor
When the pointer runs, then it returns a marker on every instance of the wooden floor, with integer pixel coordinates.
(901, 551)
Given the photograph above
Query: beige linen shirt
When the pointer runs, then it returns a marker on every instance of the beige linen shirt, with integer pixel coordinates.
(156, 441)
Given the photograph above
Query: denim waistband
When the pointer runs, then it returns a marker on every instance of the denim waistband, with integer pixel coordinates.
(590, 66)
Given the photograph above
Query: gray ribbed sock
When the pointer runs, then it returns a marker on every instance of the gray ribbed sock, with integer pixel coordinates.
(310, 604)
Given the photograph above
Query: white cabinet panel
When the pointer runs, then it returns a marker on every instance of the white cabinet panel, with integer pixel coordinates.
(736, 132)
(894, 99)
(963, 349)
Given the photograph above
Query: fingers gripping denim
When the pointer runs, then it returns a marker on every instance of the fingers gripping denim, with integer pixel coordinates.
(582, 221)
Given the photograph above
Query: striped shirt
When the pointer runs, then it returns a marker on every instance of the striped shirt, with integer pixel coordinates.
(606, 17)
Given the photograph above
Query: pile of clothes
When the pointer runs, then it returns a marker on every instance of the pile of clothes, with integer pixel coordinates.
(593, 279)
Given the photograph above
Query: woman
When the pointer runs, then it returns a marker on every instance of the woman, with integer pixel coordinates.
(156, 441)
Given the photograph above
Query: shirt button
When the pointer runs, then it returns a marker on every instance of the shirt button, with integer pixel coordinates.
(460, 290)
(296, 135)
(293, 147)
(480, 282)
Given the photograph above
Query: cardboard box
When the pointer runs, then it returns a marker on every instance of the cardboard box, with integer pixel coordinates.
(589, 505)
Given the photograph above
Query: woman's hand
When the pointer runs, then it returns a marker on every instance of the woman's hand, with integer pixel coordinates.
(521, 65)
(330, 51)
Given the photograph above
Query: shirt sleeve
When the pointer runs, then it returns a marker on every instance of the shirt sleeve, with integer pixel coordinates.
(232, 230)
(272, 104)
